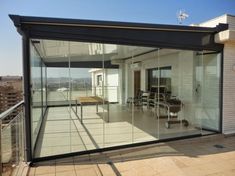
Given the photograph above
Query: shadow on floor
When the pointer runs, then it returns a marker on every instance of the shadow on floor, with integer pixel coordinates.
(105, 161)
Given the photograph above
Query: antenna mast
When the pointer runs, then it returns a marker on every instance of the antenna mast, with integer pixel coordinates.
(181, 16)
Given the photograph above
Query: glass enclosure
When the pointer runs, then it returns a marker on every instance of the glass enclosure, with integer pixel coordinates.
(87, 96)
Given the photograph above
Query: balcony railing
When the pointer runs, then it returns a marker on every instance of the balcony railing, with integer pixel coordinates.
(11, 139)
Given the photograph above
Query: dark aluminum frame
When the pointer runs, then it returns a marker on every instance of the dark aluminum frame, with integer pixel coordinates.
(138, 34)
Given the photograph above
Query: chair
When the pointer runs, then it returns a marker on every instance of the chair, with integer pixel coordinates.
(137, 100)
(157, 94)
(174, 106)
(144, 98)
(160, 91)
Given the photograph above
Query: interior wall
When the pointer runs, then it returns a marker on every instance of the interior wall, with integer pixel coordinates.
(195, 80)
(148, 62)
(182, 74)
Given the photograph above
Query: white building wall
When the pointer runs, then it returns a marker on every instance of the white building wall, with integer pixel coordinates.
(231, 22)
(110, 87)
(215, 21)
(226, 19)
(229, 89)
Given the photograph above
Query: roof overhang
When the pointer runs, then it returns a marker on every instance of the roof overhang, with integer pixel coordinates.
(138, 34)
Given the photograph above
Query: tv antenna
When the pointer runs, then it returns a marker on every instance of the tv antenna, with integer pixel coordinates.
(181, 16)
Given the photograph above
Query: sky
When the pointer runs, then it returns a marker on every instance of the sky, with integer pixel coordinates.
(148, 11)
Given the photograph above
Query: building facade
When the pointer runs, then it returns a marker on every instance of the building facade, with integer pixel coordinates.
(10, 92)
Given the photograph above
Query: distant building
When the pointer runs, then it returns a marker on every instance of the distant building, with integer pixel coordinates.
(15, 81)
(10, 92)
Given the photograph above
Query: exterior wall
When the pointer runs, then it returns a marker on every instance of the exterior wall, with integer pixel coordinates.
(227, 19)
(111, 84)
(228, 89)
(112, 81)
(215, 21)
(231, 22)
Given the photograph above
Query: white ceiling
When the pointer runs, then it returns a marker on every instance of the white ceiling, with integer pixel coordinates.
(61, 51)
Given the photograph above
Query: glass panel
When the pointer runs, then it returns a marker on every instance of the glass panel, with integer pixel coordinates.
(197, 105)
(44, 86)
(36, 93)
(179, 112)
(118, 100)
(208, 87)
(57, 86)
(81, 82)
(55, 134)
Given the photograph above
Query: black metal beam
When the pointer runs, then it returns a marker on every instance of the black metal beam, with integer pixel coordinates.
(19, 20)
(152, 35)
(158, 39)
(91, 64)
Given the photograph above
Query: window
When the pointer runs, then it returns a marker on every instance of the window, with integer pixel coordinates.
(99, 80)
(164, 74)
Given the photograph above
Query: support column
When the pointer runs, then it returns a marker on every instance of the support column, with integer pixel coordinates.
(27, 96)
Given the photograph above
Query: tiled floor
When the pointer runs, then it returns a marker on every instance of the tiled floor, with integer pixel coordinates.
(191, 157)
(62, 131)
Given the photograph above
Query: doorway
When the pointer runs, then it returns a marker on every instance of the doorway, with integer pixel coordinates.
(136, 82)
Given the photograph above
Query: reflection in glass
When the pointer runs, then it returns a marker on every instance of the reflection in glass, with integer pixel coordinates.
(36, 93)
(57, 86)
(44, 87)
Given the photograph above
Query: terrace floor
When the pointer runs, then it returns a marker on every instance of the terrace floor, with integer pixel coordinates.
(62, 131)
(212, 155)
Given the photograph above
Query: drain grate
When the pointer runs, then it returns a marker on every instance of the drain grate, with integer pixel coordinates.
(219, 146)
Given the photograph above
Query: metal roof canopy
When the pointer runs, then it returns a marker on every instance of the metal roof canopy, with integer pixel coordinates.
(138, 34)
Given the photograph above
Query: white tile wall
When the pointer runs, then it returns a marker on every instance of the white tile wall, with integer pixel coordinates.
(229, 89)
